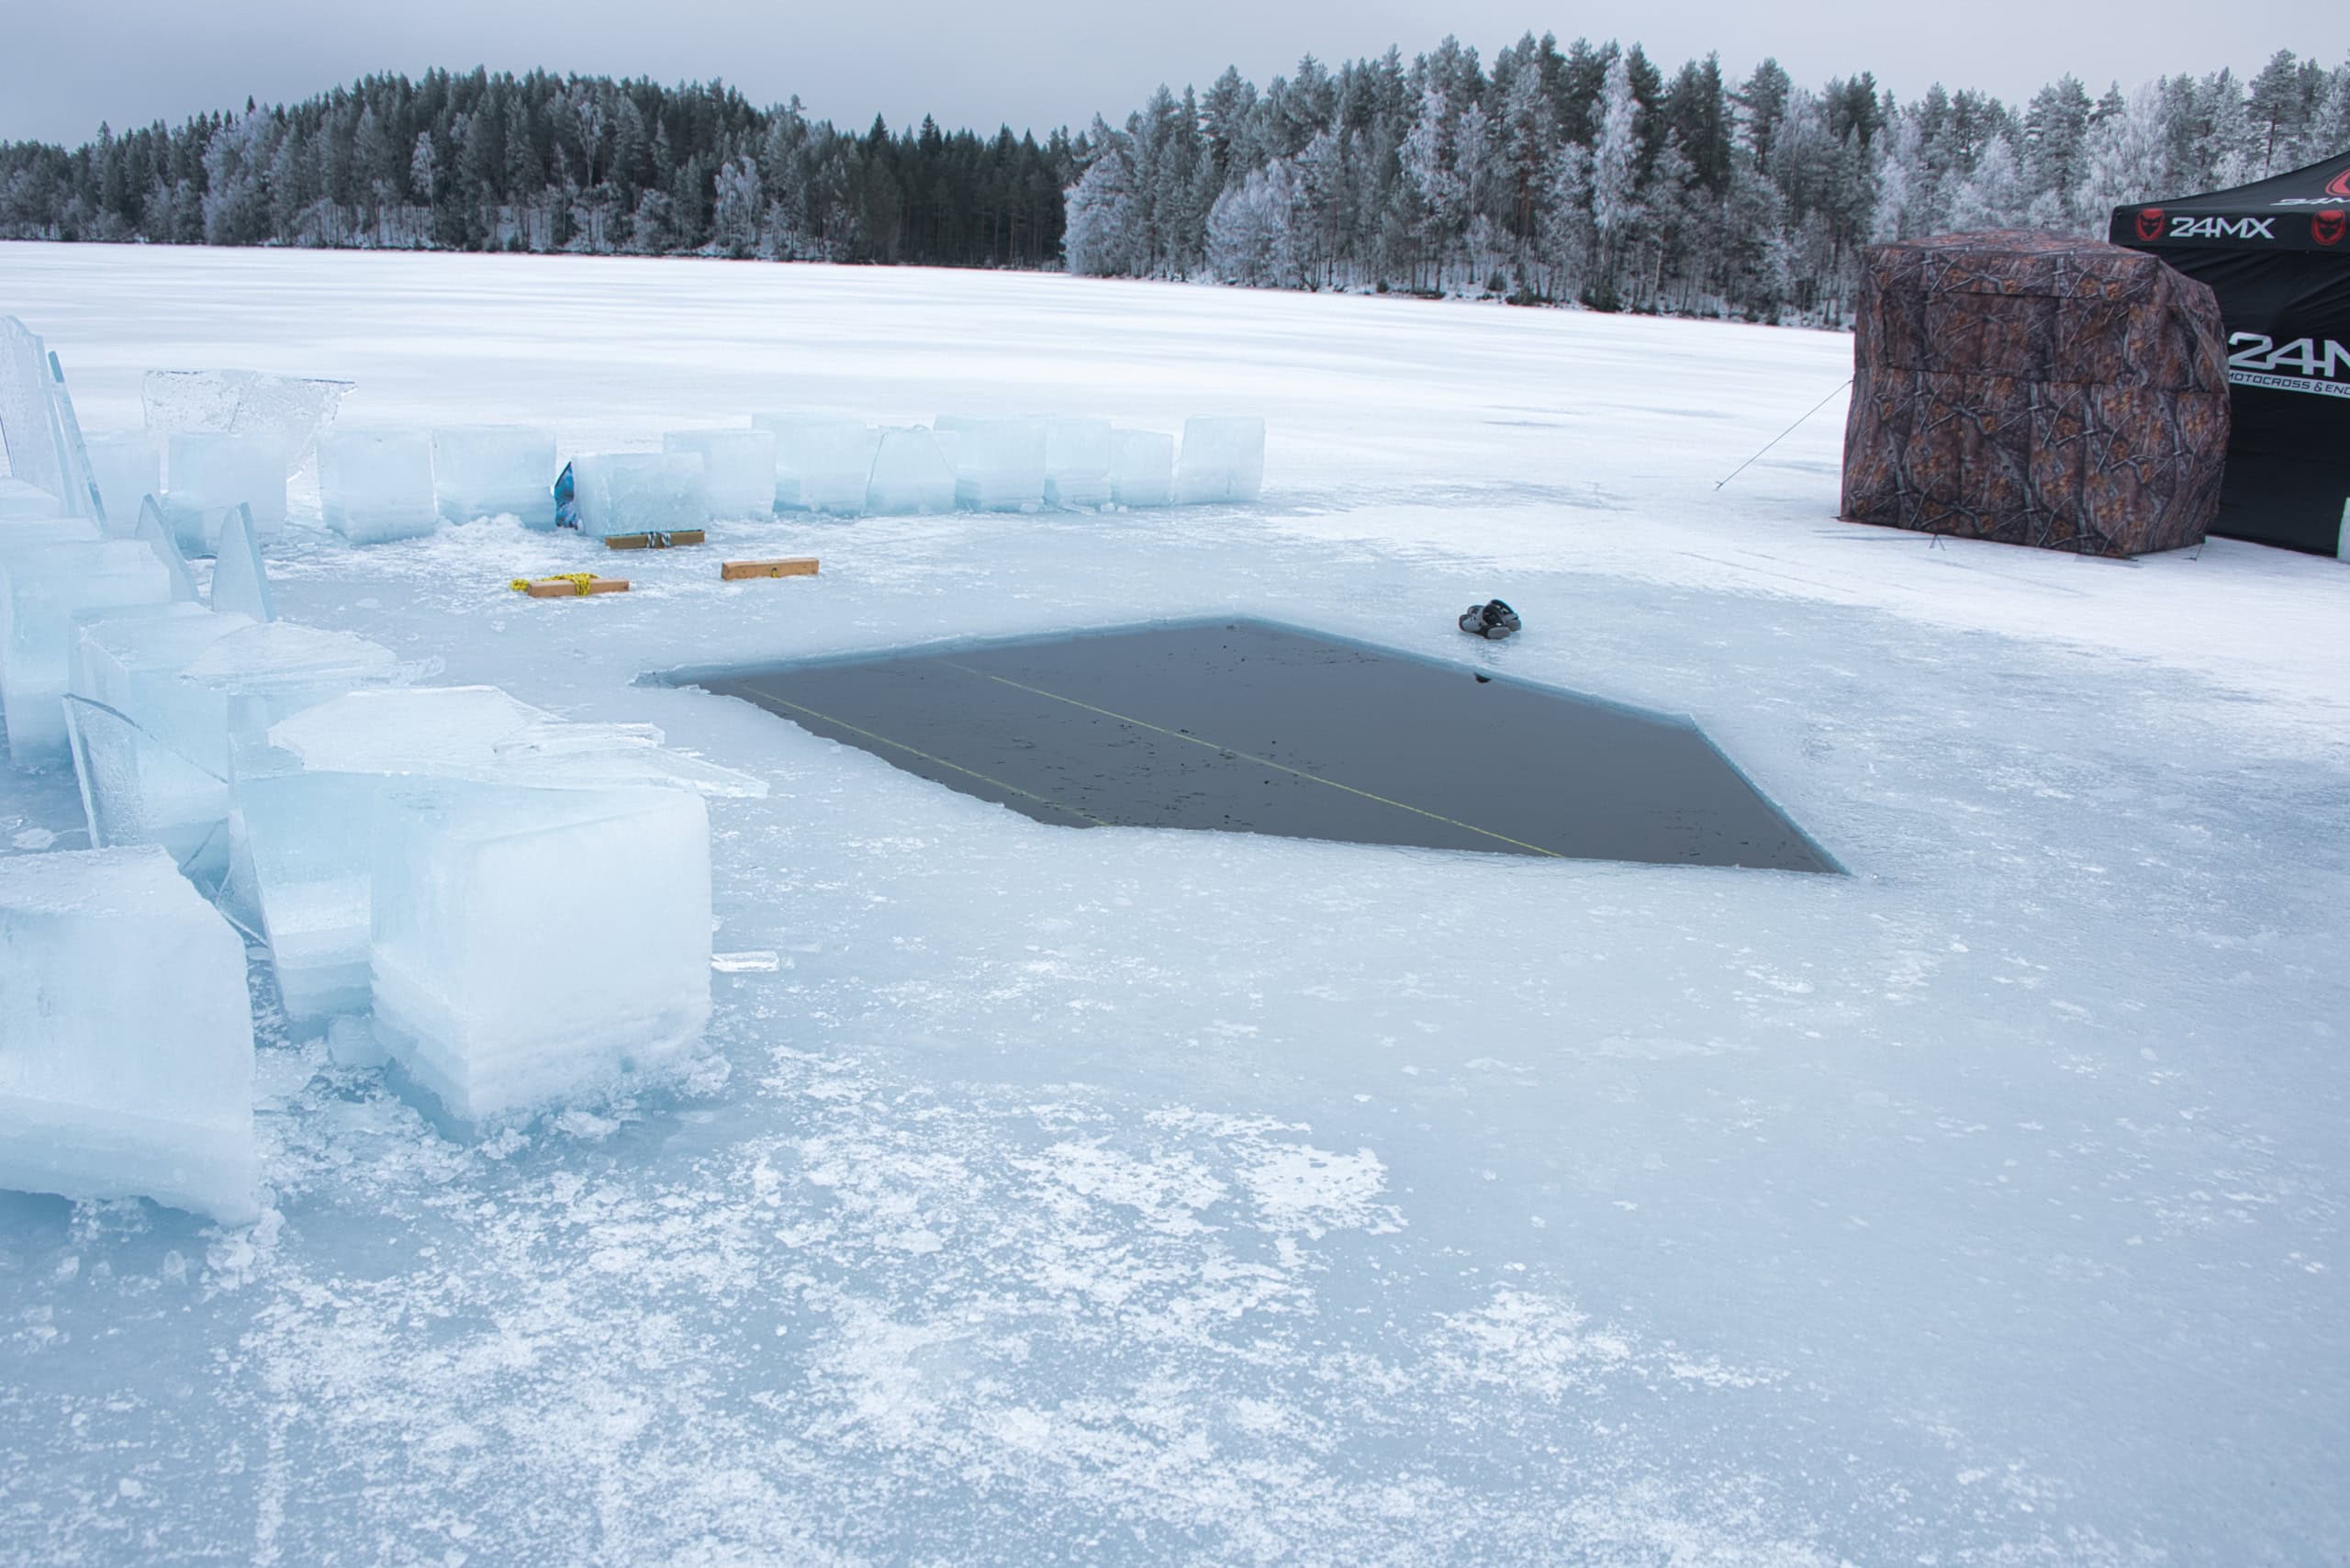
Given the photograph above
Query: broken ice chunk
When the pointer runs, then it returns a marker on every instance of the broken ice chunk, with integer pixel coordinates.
(240, 584)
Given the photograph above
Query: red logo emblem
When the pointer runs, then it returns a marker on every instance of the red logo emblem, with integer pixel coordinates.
(2326, 226)
(2339, 185)
(2150, 222)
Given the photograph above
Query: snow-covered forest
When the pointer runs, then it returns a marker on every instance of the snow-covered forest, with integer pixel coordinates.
(1585, 174)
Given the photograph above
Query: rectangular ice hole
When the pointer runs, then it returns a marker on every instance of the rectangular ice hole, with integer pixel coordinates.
(1240, 727)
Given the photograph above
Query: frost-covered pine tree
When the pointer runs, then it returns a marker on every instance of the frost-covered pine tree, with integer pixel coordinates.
(737, 219)
(1099, 233)
(2126, 160)
(1250, 235)
(1614, 203)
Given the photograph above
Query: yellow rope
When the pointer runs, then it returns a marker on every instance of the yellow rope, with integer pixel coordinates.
(580, 580)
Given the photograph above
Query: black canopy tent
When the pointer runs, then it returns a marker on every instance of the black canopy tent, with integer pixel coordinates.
(2277, 254)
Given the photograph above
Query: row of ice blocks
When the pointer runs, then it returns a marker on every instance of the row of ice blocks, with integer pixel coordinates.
(373, 484)
(528, 911)
(832, 464)
(126, 1039)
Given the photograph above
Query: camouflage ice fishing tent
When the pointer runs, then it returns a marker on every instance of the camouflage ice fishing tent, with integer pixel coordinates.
(2277, 254)
(2035, 390)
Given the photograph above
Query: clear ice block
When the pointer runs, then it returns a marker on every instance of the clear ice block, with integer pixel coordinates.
(126, 468)
(910, 474)
(207, 474)
(823, 462)
(999, 462)
(126, 1044)
(738, 469)
(375, 485)
(494, 471)
(1223, 460)
(639, 492)
(1142, 472)
(1078, 454)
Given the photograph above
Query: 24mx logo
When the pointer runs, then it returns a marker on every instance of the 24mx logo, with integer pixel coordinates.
(2302, 356)
(2183, 227)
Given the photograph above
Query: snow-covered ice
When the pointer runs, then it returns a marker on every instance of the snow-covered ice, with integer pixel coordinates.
(738, 468)
(1176, 1196)
(375, 485)
(126, 1043)
(495, 470)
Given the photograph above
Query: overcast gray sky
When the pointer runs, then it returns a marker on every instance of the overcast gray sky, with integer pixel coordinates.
(63, 67)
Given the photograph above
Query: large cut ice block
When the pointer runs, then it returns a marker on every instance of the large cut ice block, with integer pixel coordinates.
(494, 471)
(530, 947)
(299, 835)
(738, 469)
(537, 892)
(639, 492)
(1077, 458)
(1223, 460)
(126, 468)
(42, 588)
(375, 485)
(910, 474)
(823, 462)
(1141, 471)
(999, 462)
(126, 1042)
(207, 474)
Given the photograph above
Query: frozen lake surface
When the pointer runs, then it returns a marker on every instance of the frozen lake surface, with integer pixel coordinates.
(1132, 1194)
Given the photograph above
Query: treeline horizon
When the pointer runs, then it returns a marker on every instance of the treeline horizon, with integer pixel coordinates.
(1584, 174)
